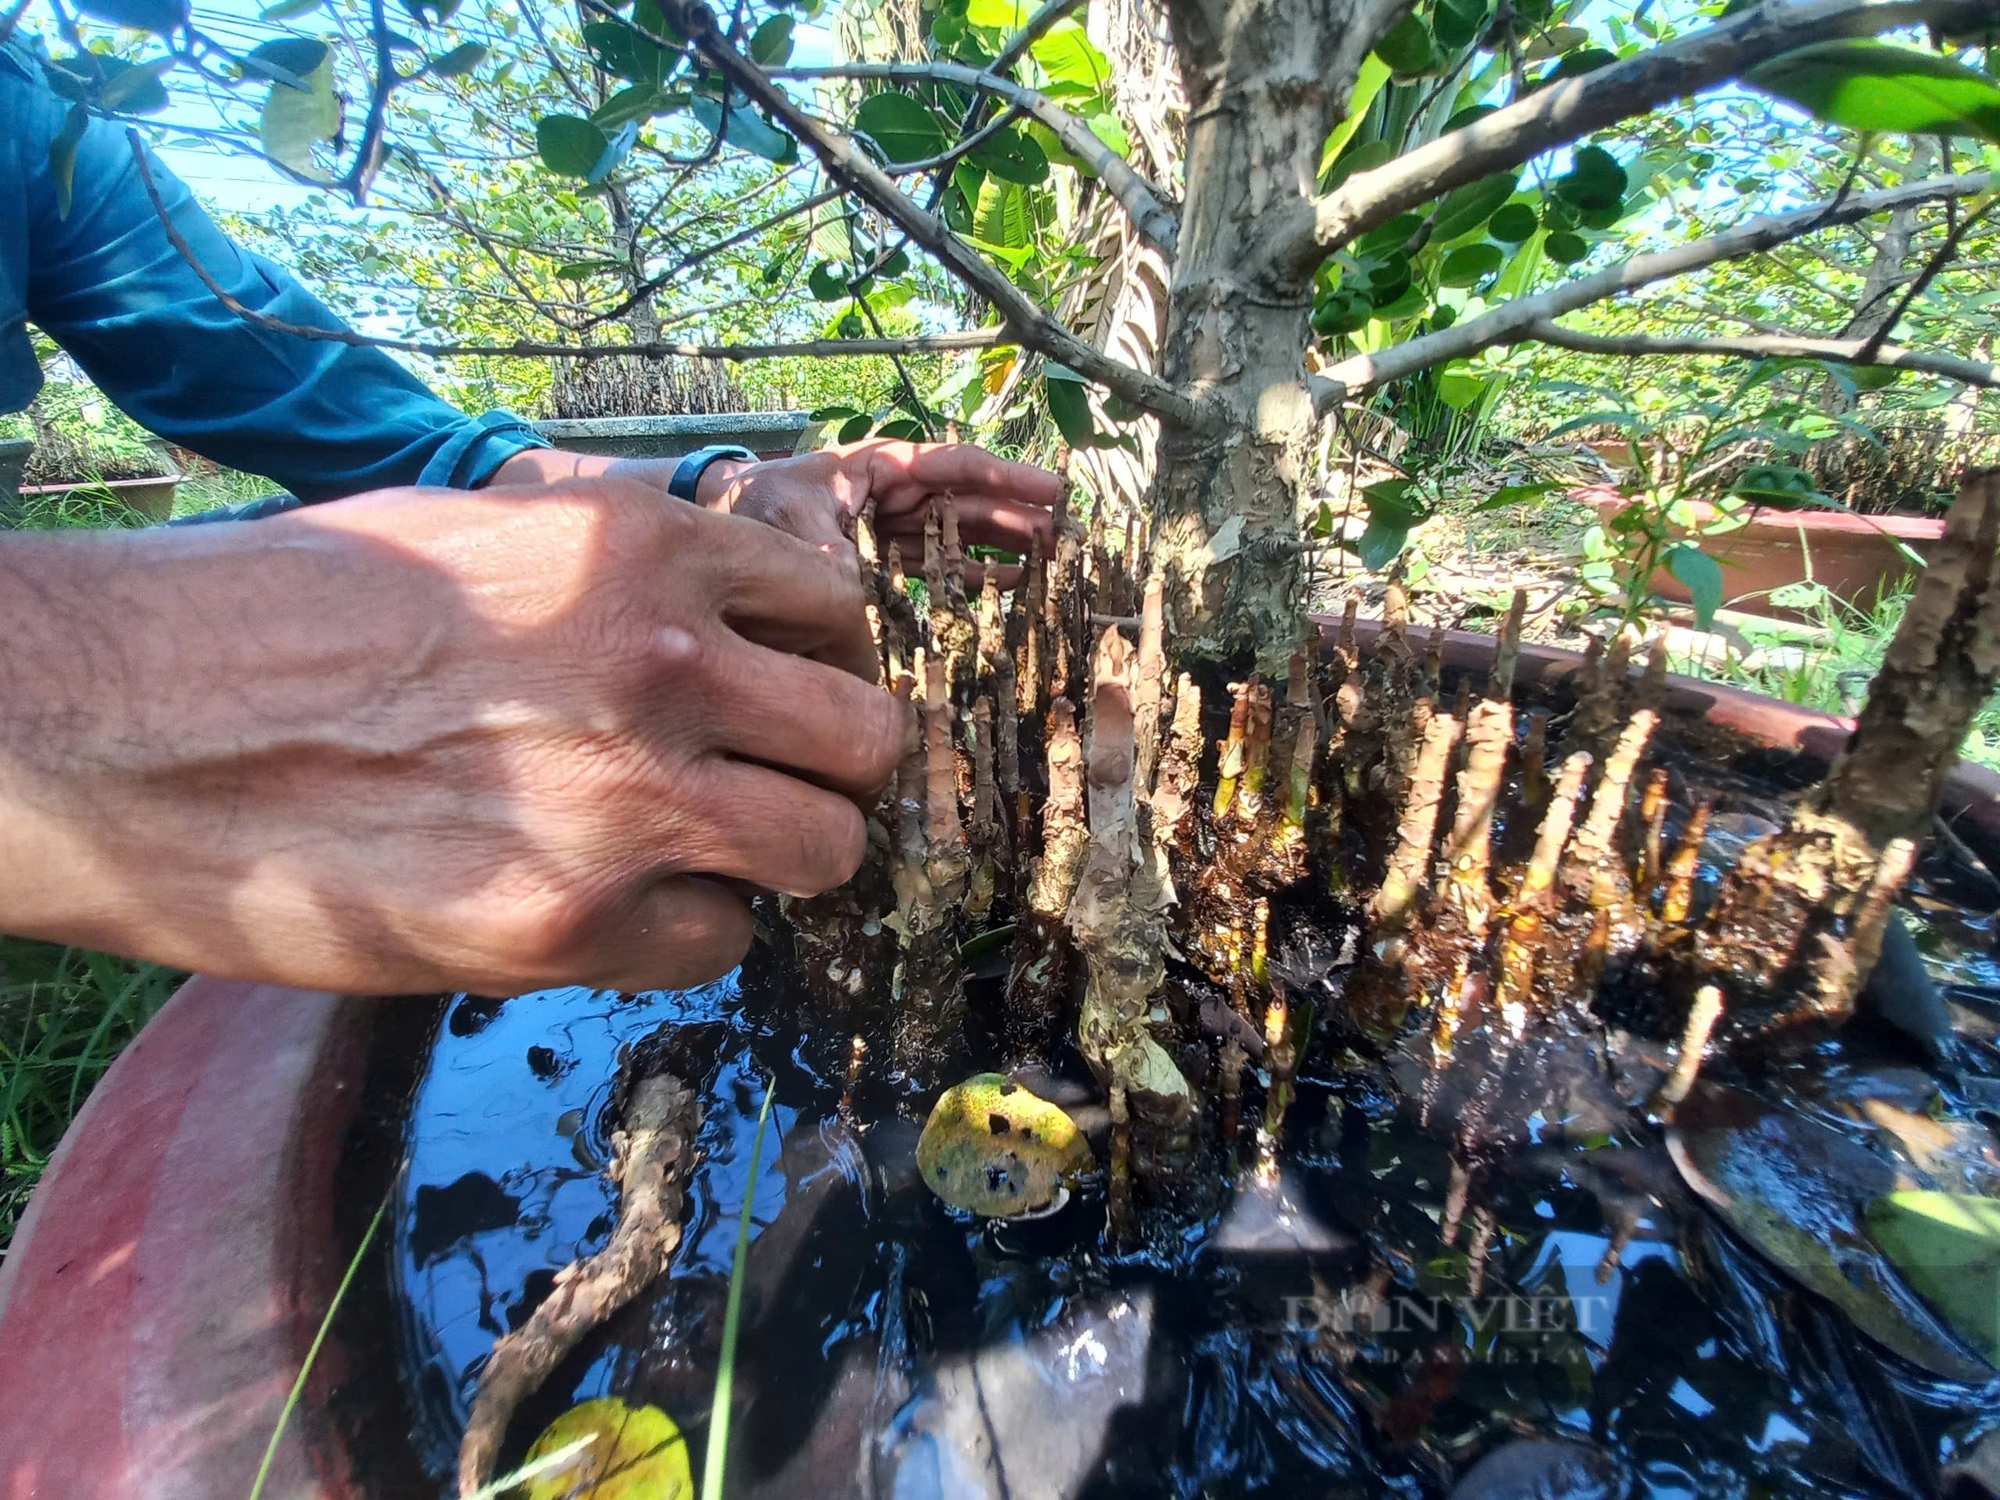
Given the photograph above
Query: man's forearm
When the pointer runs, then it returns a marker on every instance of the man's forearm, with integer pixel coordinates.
(416, 741)
(549, 465)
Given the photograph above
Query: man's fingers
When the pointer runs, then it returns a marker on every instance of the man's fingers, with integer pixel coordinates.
(982, 521)
(685, 931)
(808, 718)
(961, 467)
(772, 831)
(975, 575)
(791, 596)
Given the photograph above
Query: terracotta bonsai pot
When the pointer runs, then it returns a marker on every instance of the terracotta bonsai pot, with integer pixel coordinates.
(152, 497)
(174, 1263)
(1855, 557)
(179, 1254)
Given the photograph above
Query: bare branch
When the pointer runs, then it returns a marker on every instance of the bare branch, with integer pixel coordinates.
(1031, 325)
(1030, 33)
(1513, 321)
(13, 18)
(972, 338)
(1771, 346)
(1567, 110)
(1146, 204)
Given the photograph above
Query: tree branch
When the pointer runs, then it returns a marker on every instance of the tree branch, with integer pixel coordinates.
(972, 338)
(1513, 321)
(1144, 203)
(1572, 108)
(1770, 346)
(1031, 325)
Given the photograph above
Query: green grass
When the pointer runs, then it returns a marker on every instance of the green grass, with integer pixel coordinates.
(1832, 673)
(65, 1013)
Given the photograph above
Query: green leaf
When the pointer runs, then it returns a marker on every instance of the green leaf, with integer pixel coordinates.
(1877, 86)
(1070, 406)
(1381, 543)
(135, 88)
(1515, 494)
(614, 1452)
(1472, 205)
(1513, 223)
(1703, 576)
(570, 146)
(639, 102)
(897, 263)
(1565, 248)
(1408, 48)
(854, 429)
(826, 283)
(289, 60)
(903, 128)
(583, 270)
(1459, 389)
(1001, 215)
(747, 130)
(62, 156)
(1778, 487)
(1013, 156)
(1109, 129)
(1594, 180)
(1074, 66)
(1408, 305)
(1947, 1246)
(1457, 22)
(771, 43)
(1468, 264)
(461, 60)
(904, 430)
(999, 15)
(627, 52)
(1374, 74)
(295, 120)
(288, 10)
(1364, 157)
(622, 142)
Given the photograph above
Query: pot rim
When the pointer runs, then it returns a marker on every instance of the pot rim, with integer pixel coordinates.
(101, 484)
(1826, 522)
(154, 1177)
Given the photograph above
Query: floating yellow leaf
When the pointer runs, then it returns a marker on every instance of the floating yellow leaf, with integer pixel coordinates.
(994, 1148)
(628, 1453)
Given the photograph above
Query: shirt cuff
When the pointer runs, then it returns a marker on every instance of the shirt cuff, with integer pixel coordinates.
(478, 449)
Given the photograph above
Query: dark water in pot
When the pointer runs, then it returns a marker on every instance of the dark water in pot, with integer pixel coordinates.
(894, 1348)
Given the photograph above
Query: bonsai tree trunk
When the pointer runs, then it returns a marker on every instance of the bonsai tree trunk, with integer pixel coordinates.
(1266, 82)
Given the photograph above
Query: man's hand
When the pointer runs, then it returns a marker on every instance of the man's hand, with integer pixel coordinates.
(418, 740)
(815, 496)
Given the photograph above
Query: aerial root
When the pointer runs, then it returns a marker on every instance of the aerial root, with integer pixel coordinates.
(652, 1153)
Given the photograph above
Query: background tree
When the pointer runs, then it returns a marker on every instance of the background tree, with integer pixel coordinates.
(1371, 197)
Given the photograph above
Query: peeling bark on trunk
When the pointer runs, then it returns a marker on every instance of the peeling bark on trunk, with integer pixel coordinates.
(1792, 914)
(1266, 81)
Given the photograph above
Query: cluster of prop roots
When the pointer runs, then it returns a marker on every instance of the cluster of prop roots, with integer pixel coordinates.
(1495, 872)
(1500, 866)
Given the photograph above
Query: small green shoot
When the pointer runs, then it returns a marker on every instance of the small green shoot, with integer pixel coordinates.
(732, 1317)
(312, 1353)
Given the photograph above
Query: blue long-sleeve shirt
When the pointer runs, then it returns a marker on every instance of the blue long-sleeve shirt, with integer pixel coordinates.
(322, 419)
